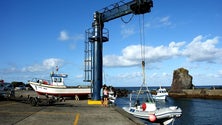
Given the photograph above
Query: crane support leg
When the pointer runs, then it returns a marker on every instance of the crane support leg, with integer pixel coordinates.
(97, 57)
(98, 69)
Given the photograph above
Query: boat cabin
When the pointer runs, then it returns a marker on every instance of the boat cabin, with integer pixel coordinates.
(58, 79)
(162, 91)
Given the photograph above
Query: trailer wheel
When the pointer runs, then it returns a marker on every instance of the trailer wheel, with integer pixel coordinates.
(33, 101)
(50, 101)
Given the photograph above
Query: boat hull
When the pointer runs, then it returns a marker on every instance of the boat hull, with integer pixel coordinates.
(159, 97)
(60, 91)
(162, 114)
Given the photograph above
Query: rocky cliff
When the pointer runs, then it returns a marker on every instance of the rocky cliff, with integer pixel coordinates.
(181, 80)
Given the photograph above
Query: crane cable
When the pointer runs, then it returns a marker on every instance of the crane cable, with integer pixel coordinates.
(142, 38)
(124, 21)
(143, 58)
(142, 46)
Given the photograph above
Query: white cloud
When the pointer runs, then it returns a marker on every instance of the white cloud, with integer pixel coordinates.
(72, 46)
(117, 61)
(154, 75)
(164, 74)
(78, 37)
(64, 36)
(9, 70)
(220, 73)
(159, 22)
(47, 64)
(131, 55)
(80, 76)
(160, 53)
(203, 50)
(165, 21)
(198, 50)
(129, 75)
(127, 31)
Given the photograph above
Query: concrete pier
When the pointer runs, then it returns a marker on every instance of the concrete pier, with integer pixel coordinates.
(63, 113)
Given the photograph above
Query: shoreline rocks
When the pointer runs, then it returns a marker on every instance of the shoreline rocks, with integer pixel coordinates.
(122, 92)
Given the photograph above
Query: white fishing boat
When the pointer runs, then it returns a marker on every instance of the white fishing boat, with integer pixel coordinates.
(56, 87)
(161, 94)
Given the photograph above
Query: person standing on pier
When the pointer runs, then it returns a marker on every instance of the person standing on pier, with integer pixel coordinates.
(101, 95)
(105, 96)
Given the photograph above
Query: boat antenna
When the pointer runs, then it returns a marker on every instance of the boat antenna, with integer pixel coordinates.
(143, 58)
(57, 69)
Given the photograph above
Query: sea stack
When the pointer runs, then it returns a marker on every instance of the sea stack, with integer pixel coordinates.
(181, 80)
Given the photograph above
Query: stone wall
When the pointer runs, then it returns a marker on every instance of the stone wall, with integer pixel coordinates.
(198, 93)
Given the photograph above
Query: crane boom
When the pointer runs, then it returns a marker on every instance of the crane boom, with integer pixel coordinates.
(96, 36)
(121, 9)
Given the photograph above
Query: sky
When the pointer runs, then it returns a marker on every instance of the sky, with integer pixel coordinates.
(38, 35)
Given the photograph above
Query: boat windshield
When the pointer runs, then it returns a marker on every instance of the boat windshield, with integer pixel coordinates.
(55, 79)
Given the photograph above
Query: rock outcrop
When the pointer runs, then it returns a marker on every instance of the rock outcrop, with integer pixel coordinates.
(181, 80)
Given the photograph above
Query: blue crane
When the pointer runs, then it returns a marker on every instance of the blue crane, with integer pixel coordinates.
(98, 34)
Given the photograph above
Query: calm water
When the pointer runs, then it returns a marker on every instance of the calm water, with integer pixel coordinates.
(194, 111)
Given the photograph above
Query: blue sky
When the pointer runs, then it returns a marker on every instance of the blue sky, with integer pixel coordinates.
(37, 35)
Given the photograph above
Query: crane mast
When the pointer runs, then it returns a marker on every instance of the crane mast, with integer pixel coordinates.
(98, 34)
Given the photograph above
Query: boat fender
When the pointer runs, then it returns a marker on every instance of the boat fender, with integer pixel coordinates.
(152, 117)
(144, 106)
(45, 82)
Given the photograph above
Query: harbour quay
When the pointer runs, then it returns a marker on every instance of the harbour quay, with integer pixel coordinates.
(69, 112)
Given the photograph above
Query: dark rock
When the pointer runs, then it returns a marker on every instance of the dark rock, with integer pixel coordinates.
(122, 92)
(181, 80)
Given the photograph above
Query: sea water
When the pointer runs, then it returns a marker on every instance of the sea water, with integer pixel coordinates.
(194, 111)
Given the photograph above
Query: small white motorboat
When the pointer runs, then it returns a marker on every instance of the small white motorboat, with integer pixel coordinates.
(149, 112)
(161, 94)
